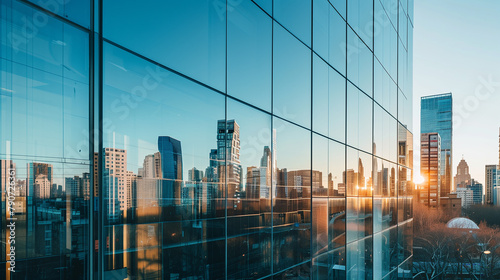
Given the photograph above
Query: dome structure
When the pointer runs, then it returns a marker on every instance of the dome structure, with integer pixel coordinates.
(461, 223)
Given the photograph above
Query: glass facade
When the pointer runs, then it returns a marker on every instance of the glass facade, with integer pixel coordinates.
(218, 139)
(437, 116)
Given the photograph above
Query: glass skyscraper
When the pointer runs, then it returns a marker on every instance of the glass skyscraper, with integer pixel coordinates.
(436, 115)
(217, 139)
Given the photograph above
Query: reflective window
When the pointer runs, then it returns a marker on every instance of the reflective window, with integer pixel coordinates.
(295, 16)
(385, 134)
(292, 197)
(359, 119)
(163, 170)
(359, 63)
(76, 11)
(385, 213)
(385, 90)
(385, 40)
(359, 259)
(44, 151)
(329, 35)
(340, 6)
(187, 36)
(267, 5)
(328, 101)
(250, 176)
(359, 187)
(291, 78)
(336, 193)
(249, 58)
(360, 18)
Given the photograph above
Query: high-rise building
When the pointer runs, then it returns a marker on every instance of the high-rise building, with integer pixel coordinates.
(477, 191)
(115, 181)
(467, 196)
(490, 182)
(436, 115)
(462, 179)
(171, 170)
(294, 111)
(430, 164)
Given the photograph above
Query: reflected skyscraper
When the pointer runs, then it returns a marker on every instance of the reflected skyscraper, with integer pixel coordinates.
(171, 170)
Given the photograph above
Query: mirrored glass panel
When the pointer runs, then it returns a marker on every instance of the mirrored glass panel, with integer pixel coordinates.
(186, 36)
(165, 178)
(295, 16)
(44, 148)
(250, 170)
(292, 197)
(291, 78)
(249, 47)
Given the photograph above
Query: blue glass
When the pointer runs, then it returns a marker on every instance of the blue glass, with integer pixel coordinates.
(359, 119)
(76, 11)
(340, 6)
(248, 215)
(249, 57)
(267, 5)
(359, 63)
(329, 35)
(44, 148)
(295, 16)
(177, 171)
(360, 18)
(186, 36)
(292, 202)
(385, 134)
(385, 41)
(291, 78)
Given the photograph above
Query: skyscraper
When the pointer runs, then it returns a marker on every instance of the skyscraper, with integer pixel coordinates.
(436, 115)
(462, 179)
(430, 164)
(171, 170)
(490, 180)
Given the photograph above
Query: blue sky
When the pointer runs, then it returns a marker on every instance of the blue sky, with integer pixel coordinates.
(456, 49)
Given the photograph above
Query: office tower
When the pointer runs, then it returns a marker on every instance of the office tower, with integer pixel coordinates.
(436, 115)
(278, 91)
(467, 196)
(151, 167)
(131, 178)
(490, 182)
(430, 164)
(462, 179)
(195, 175)
(73, 186)
(171, 170)
(477, 191)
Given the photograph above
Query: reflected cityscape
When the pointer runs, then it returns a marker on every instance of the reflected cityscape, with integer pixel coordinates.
(211, 140)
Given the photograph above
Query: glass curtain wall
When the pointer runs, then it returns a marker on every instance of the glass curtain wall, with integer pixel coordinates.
(209, 139)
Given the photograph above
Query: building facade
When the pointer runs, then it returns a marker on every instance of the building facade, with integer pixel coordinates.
(436, 115)
(490, 180)
(298, 112)
(462, 179)
(430, 165)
